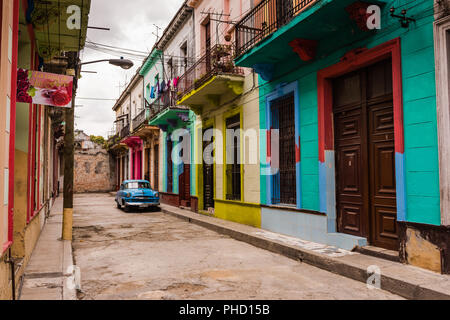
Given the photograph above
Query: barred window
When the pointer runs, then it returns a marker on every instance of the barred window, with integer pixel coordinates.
(284, 183)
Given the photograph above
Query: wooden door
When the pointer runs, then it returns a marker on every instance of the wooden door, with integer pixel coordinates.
(208, 178)
(365, 155)
(185, 186)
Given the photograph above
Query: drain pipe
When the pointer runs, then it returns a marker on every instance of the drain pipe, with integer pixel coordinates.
(10, 261)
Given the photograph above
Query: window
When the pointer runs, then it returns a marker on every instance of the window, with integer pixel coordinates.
(184, 55)
(233, 154)
(148, 91)
(137, 185)
(284, 183)
(170, 67)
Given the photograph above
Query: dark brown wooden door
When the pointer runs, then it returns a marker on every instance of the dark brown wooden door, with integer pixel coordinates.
(185, 186)
(365, 155)
(208, 178)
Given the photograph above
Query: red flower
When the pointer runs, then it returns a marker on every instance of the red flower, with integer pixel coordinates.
(23, 96)
(61, 97)
(22, 74)
(23, 85)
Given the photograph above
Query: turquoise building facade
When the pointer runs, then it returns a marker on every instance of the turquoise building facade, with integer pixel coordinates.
(365, 169)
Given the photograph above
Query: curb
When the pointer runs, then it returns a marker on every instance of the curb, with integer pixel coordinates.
(391, 283)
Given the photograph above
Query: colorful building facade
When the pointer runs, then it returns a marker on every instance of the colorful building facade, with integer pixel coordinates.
(354, 109)
(30, 134)
(176, 50)
(224, 98)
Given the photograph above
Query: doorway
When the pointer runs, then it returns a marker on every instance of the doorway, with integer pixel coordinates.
(208, 175)
(185, 186)
(365, 155)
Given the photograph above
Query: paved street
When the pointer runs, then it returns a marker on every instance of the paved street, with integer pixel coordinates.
(150, 255)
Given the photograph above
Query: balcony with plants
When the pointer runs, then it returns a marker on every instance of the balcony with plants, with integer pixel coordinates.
(211, 77)
(276, 31)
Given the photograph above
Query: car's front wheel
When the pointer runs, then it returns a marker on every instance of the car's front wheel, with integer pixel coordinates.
(118, 205)
(126, 208)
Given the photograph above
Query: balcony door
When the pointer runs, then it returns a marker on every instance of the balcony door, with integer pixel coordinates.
(207, 28)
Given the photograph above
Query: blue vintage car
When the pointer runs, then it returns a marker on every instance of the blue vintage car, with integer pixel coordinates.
(136, 193)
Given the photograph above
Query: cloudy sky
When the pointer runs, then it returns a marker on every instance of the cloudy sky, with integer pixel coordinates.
(132, 24)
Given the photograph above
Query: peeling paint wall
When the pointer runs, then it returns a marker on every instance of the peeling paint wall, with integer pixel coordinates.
(422, 253)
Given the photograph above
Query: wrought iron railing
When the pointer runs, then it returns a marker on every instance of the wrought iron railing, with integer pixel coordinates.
(217, 60)
(125, 131)
(141, 118)
(164, 101)
(267, 17)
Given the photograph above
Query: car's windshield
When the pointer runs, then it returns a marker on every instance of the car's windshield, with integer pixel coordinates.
(137, 185)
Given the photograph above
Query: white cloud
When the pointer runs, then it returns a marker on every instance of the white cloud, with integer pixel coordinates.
(131, 23)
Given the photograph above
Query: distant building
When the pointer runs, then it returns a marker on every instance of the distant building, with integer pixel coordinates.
(92, 166)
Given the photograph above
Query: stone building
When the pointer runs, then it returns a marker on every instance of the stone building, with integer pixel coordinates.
(93, 169)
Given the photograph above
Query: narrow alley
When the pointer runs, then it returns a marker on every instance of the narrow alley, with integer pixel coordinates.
(151, 255)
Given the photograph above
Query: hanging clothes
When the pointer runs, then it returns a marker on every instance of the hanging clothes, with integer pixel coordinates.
(152, 93)
(163, 86)
(175, 81)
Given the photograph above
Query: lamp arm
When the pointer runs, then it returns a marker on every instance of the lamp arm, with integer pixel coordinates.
(91, 62)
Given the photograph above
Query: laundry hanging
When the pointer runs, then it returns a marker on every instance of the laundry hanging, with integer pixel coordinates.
(152, 92)
(175, 81)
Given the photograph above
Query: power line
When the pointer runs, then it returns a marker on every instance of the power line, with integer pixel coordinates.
(96, 99)
(114, 47)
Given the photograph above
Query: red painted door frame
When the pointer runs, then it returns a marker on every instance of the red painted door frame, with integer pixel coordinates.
(351, 62)
(354, 60)
(12, 125)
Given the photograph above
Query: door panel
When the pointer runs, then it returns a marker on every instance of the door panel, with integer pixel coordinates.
(185, 186)
(382, 176)
(365, 155)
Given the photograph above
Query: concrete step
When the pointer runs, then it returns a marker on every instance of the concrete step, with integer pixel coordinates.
(407, 281)
(381, 253)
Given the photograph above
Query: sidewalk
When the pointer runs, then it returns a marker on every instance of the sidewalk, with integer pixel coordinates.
(407, 281)
(46, 274)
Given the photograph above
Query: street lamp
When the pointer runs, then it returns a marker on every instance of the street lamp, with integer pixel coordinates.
(69, 146)
(123, 63)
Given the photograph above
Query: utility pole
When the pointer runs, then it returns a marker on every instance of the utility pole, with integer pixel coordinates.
(69, 152)
(69, 139)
